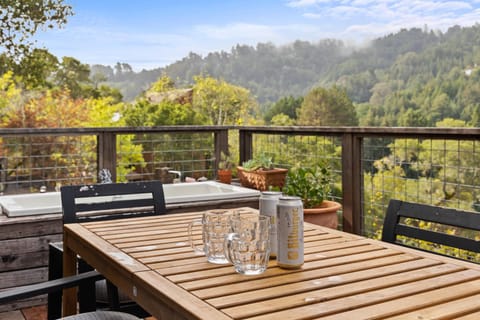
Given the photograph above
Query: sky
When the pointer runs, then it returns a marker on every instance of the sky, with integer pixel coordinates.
(149, 34)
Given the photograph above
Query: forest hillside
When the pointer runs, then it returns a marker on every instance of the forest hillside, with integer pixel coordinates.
(414, 77)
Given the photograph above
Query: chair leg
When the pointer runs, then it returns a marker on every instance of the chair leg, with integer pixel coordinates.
(86, 292)
(55, 271)
(113, 298)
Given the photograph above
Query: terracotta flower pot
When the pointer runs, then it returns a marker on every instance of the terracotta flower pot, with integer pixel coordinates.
(325, 215)
(224, 176)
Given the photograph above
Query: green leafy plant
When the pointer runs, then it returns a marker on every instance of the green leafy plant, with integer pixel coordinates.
(225, 162)
(312, 185)
(263, 162)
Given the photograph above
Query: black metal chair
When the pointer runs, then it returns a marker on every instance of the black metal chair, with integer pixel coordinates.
(82, 281)
(443, 219)
(85, 203)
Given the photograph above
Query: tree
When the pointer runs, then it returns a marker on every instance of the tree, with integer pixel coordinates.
(286, 105)
(71, 75)
(282, 120)
(36, 68)
(221, 102)
(144, 113)
(327, 107)
(52, 109)
(164, 83)
(412, 118)
(10, 97)
(20, 20)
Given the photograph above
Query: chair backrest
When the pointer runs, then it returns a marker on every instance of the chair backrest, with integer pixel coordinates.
(444, 220)
(111, 201)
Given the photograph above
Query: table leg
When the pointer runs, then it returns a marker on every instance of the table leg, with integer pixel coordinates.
(69, 269)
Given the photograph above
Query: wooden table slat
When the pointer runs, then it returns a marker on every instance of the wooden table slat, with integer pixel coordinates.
(448, 310)
(471, 315)
(357, 282)
(344, 297)
(372, 268)
(413, 302)
(378, 304)
(195, 272)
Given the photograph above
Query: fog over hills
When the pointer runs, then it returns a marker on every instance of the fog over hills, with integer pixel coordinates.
(396, 66)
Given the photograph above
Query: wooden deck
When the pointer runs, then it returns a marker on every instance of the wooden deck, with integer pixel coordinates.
(30, 313)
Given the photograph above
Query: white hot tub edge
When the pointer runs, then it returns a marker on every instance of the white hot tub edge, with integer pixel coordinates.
(49, 202)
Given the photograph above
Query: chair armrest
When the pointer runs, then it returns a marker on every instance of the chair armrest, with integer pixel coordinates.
(36, 289)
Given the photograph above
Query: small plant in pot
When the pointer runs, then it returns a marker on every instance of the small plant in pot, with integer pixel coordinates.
(260, 173)
(313, 185)
(224, 171)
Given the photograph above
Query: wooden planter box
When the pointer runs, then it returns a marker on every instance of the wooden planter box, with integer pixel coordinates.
(262, 179)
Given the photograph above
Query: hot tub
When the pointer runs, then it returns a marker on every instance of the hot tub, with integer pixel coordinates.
(180, 193)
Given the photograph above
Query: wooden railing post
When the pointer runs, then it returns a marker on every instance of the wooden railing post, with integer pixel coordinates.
(107, 152)
(245, 145)
(221, 144)
(352, 183)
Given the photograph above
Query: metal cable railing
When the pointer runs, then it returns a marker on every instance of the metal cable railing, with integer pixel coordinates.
(370, 165)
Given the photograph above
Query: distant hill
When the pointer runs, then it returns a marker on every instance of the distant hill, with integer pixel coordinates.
(430, 73)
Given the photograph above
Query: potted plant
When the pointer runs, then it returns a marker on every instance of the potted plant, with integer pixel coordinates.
(224, 171)
(260, 173)
(313, 185)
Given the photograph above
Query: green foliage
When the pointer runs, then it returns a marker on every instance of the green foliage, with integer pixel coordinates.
(286, 105)
(36, 68)
(312, 184)
(10, 96)
(164, 83)
(327, 107)
(225, 162)
(144, 113)
(262, 162)
(282, 120)
(73, 75)
(20, 20)
(221, 102)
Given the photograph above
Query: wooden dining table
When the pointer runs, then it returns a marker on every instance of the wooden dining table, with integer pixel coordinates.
(345, 276)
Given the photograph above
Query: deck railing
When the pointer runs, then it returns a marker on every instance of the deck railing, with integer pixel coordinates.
(371, 165)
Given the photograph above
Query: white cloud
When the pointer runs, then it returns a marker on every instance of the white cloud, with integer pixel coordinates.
(236, 30)
(313, 15)
(305, 3)
(363, 18)
(253, 33)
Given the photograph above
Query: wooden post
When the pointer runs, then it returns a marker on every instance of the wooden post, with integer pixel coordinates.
(221, 144)
(245, 145)
(352, 183)
(107, 153)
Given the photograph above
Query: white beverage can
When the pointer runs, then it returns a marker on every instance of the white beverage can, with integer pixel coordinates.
(268, 207)
(290, 254)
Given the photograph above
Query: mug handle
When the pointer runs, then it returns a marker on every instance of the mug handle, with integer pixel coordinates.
(197, 249)
(228, 246)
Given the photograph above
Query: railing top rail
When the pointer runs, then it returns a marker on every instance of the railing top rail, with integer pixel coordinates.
(466, 133)
(98, 130)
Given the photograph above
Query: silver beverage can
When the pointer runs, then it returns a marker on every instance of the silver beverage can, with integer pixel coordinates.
(268, 207)
(290, 232)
